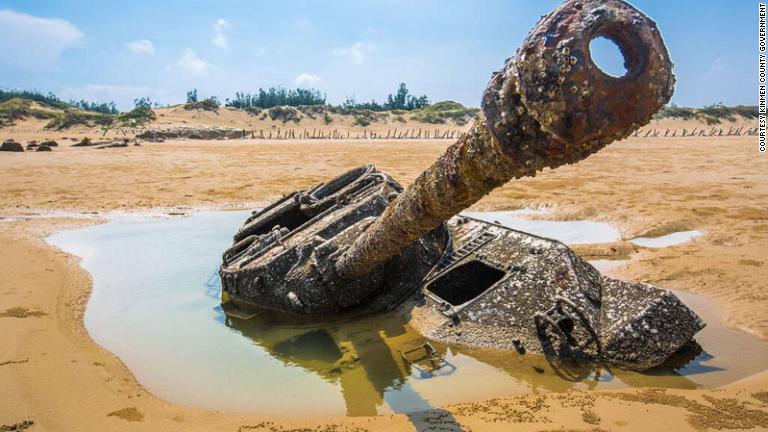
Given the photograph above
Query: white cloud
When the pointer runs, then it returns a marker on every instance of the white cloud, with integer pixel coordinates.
(142, 46)
(220, 29)
(32, 42)
(194, 65)
(306, 79)
(355, 53)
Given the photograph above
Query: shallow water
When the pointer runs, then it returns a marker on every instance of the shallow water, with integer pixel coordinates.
(672, 239)
(155, 304)
(604, 265)
(568, 232)
(110, 215)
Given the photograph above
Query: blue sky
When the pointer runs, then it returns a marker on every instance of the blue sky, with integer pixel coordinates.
(447, 49)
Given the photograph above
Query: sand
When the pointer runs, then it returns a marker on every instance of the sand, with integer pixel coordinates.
(53, 375)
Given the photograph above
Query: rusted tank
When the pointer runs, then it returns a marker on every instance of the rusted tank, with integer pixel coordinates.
(360, 244)
(284, 255)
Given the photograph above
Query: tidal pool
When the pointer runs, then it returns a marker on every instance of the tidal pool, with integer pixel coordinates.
(604, 265)
(155, 304)
(668, 240)
(568, 232)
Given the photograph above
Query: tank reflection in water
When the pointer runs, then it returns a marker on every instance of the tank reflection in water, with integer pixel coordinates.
(155, 305)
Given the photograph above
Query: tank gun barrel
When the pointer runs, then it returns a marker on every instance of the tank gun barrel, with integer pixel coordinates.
(548, 106)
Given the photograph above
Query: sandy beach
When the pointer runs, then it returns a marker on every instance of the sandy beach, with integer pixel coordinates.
(53, 375)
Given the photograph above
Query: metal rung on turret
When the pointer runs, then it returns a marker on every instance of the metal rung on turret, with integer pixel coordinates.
(467, 248)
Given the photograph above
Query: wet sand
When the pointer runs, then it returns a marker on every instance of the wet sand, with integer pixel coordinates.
(53, 374)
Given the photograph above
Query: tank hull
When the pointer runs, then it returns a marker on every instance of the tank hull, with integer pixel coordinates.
(282, 257)
(506, 289)
(467, 282)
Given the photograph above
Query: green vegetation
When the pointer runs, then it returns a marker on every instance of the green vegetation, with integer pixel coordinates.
(306, 98)
(401, 100)
(276, 96)
(404, 101)
(441, 112)
(194, 103)
(66, 115)
(192, 96)
(210, 104)
(284, 114)
(351, 105)
(711, 114)
(69, 118)
(361, 121)
(311, 111)
(52, 101)
(674, 111)
(136, 118)
(364, 117)
(143, 102)
(253, 110)
(103, 108)
(19, 109)
(49, 99)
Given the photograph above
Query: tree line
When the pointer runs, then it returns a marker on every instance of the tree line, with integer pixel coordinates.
(276, 96)
(401, 99)
(49, 99)
(103, 108)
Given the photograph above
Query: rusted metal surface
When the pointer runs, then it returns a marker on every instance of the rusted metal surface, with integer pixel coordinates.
(282, 257)
(548, 106)
(359, 244)
(520, 292)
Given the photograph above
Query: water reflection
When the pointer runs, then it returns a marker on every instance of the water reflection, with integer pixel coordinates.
(362, 357)
(381, 360)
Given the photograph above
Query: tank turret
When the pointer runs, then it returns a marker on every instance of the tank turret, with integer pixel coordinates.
(548, 106)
